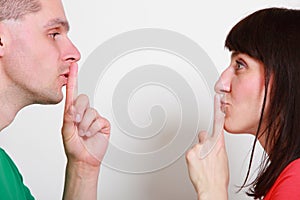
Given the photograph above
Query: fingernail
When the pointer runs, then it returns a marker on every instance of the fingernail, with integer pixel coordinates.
(78, 118)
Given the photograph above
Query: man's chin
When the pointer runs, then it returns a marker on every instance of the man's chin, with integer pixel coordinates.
(54, 99)
(57, 100)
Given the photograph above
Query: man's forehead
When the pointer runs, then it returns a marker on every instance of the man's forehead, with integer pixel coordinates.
(52, 14)
(52, 8)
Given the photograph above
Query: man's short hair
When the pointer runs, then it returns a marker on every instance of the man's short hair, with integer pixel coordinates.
(15, 9)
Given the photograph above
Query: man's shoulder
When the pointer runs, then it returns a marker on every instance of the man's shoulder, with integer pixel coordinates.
(11, 181)
(5, 160)
(7, 166)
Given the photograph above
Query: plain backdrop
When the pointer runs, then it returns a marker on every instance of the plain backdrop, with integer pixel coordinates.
(33, 140)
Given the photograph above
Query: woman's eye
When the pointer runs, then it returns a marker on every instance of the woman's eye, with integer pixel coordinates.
(240, 65)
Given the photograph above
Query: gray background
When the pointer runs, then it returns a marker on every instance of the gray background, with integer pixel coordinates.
(34, 141)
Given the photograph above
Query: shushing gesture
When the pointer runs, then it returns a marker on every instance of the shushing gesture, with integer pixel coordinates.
(85, 133)
(207, 161)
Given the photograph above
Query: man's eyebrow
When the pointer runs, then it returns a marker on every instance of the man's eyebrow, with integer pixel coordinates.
(58, 22)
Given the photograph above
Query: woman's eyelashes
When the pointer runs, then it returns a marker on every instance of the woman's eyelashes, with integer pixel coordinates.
(240, 65)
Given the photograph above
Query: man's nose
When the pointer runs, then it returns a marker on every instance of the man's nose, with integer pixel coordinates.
(71, 53)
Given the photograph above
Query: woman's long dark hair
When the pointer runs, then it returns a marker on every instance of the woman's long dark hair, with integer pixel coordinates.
(272, 36)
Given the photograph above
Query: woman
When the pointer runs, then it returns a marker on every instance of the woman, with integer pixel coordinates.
(260, 95)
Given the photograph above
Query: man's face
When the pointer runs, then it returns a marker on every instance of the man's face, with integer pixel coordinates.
(38, 54)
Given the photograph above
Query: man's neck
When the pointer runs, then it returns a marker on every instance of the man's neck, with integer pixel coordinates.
(12, 99)
(7, 114)
(11, 102)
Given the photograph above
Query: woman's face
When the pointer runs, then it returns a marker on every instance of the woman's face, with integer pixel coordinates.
(242, 86)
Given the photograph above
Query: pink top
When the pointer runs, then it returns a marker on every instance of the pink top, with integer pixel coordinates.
(287, 185)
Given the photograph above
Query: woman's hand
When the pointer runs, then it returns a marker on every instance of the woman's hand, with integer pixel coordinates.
(208, 168)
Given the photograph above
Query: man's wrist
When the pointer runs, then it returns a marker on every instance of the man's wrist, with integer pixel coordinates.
(81, 181)
(83, 170)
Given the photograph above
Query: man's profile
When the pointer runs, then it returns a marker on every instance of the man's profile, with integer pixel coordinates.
(37, 59)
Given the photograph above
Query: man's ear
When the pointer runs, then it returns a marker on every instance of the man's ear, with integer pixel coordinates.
(2, 39)
(1, 48)
(5, 37)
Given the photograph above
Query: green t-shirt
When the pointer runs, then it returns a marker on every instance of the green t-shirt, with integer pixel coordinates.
(11, 181)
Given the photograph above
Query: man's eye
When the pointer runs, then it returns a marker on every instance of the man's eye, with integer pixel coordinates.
(53, 35)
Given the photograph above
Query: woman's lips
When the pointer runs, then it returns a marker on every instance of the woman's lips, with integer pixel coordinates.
(224, 105)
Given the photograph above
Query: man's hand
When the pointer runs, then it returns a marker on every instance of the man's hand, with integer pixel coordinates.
(208, 169)
(85, 133)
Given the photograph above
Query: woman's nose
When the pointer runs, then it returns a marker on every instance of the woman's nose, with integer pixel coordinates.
(223, 84)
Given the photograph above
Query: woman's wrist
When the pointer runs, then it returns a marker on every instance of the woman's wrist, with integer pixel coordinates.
(220, 194)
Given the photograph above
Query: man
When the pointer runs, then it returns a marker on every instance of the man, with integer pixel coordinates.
(36, 60)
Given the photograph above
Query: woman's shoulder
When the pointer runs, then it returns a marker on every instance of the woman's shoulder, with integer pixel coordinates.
(287, 184)
(292, 171)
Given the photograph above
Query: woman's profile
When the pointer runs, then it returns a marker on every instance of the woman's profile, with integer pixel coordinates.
(261, 96)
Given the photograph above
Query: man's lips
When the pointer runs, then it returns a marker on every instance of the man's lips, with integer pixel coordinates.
(65, 77)
(66, 74)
